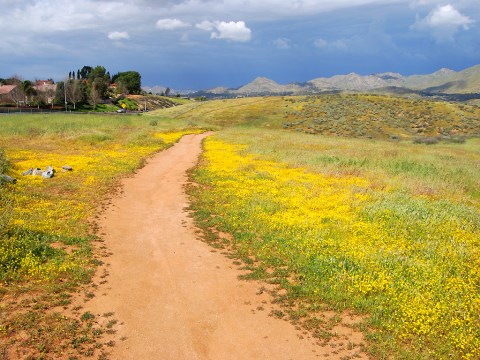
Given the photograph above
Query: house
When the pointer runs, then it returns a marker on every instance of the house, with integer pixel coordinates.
(45, 92)
(6, 93)
(46, 89)
(43, 82)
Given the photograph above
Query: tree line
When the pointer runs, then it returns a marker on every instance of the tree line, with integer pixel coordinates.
(86, 85)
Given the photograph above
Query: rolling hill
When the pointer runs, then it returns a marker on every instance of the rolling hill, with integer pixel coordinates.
(346, 115)
(443, 81)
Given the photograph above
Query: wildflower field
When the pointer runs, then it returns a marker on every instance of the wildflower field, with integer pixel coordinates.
(46, 225)
(326, 198)
(390, 230)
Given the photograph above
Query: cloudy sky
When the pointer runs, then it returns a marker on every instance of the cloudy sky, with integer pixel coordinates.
(200, 44)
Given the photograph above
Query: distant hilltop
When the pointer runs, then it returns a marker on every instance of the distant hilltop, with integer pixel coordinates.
(443, 81)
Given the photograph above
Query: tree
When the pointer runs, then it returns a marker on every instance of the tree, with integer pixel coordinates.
(16, 94)
(121, 88)
(28, 90)
(94, 94)
(131, 81)
(167, 91)
(50, 96)
(85, 72)
(60, 93)
(99, 76)
(45, 96)
(74, 91)
(97, 72)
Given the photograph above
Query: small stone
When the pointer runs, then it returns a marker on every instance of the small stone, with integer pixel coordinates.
(47, 174)
(28, 172)
(37, 171)
(66, 168)
(50, 168)
(7, 179)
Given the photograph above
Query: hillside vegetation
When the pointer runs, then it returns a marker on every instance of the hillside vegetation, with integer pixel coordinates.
(349, 115)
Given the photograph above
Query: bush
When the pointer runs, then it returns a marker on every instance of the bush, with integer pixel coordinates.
(457, 139)
(426, 140)
(129, 103)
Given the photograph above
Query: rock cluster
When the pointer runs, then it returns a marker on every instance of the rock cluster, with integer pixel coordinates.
(48, 173)
(7, 179)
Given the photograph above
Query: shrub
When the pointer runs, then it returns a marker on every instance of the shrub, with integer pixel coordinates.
(129, 103)
(457, 139)
(429, 140)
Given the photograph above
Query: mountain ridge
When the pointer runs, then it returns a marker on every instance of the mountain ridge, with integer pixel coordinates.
(442, 81)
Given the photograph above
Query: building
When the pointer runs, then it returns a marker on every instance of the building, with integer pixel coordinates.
(46, 89)
(6, 93)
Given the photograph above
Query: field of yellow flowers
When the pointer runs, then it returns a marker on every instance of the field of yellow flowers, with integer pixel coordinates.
(388, 229)
(46, 229)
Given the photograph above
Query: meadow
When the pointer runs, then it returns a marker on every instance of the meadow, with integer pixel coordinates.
(388, 230)
(352, 210)
(334, 200)
(49, 248)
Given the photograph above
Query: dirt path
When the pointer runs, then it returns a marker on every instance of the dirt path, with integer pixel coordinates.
(173, 296)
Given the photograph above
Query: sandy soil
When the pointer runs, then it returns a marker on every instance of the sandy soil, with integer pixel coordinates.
(173, 295)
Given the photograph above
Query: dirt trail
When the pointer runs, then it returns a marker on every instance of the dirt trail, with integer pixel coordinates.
(173, 296)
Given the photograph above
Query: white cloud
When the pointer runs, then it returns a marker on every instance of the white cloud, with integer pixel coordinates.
(171, 24)
(448, 16)
(206, 25)
(118, 35)
(234, 31)
(444, 22)
(282, 43)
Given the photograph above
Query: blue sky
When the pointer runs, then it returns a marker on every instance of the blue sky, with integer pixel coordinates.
(201, 44)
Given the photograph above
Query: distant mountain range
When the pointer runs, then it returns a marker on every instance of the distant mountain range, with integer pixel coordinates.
(443, 81)
(157, 89)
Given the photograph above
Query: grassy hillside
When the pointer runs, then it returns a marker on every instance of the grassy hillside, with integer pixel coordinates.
(362, 116)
